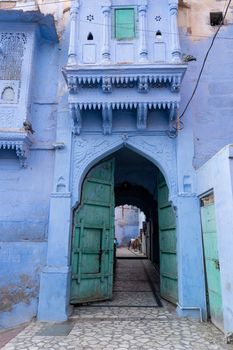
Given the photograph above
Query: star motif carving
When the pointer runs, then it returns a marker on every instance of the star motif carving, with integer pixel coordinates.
(158, 18)
(90, 18)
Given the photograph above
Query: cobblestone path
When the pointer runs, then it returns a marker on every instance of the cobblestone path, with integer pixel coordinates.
(142, 325)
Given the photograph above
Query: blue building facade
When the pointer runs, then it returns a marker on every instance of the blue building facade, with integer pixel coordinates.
(108, 81)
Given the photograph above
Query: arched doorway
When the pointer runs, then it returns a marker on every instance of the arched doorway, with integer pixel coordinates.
(139, 182)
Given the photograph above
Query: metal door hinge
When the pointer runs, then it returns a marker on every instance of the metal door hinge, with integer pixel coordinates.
(217, 264)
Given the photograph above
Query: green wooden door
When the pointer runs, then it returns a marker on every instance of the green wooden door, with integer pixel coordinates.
(212, 267)
(93, 237)
(167, 242)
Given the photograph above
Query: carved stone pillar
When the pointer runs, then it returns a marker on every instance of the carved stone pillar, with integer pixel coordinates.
(106, 55)
(175, 41)
(72, 55)
(143, 51)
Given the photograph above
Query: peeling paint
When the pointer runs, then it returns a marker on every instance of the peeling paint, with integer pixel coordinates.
(14, 293)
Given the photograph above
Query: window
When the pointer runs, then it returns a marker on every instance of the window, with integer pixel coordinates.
(216, 18)
(124, 23)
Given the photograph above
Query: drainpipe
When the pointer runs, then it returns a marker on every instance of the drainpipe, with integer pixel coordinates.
(190, 308)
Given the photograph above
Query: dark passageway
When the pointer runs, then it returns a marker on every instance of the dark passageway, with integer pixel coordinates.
(123, 178)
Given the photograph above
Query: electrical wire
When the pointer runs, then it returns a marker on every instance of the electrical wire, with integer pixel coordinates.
(205, 60)
(179, 125)
(138, 30)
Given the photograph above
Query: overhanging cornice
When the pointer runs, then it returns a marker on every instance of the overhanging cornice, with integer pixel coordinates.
(18, 141)
(125, 73)
(46, 23)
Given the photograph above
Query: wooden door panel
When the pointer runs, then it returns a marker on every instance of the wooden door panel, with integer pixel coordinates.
(90, 290)
(168, 266)
(95, 215)
(93, 237)
(214, 281)
(167, 217)
(208, 219)
(212, 267)
(167, 242)
(168, 289)
(97, 192)
(210, 243)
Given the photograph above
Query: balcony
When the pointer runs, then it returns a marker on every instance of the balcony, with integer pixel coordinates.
(137, 87)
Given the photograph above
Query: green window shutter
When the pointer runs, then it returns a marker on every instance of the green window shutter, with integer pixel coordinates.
(124, 23)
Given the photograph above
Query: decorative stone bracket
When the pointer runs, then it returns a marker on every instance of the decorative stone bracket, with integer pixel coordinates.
(106, 84)
(143, 84)
(76, 117)
(173, 118)
(72, 85)
(142, 108)
(19, 142)
(142, 112)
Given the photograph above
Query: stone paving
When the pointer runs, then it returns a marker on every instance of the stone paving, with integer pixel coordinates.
(111, 326)
(128, 253)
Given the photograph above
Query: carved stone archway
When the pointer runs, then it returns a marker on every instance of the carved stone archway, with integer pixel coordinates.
(89, 150)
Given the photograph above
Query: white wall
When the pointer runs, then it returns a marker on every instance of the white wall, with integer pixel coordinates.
(217, 174)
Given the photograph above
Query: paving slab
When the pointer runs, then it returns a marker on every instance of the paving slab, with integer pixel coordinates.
(105, 327)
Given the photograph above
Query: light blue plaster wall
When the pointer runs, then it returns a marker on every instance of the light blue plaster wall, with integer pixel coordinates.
(19, 281)
(25, 197)
(208, 125)
(210, 113)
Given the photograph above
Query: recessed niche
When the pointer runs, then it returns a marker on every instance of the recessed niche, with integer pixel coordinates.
(124, 53)
(8, 94)
(158, 35)
(89, 53)
(90, 36)
(159, 51)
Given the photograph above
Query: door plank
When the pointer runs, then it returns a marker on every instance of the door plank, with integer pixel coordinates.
(93, 237)
(212, 268)
(167, 242)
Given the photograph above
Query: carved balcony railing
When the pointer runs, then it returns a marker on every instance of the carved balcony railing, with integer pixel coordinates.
(123, 87)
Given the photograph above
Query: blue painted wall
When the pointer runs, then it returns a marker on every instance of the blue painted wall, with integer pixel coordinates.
(25, 197)
(209, 116)
(25, 193)
(126, 224)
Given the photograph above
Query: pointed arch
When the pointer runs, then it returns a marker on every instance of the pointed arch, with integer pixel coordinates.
(90, 36)
(88, 151)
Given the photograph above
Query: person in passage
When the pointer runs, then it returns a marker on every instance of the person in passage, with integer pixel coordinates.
(116, 243)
